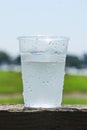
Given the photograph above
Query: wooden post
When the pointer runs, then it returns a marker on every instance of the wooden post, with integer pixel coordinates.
(15, 117)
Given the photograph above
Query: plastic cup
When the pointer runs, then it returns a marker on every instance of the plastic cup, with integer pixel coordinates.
(43, 68)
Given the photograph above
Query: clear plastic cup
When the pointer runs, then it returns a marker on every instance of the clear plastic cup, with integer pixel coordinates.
(43, 68)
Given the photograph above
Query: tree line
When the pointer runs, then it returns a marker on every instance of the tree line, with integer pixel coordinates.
(71, 60)
(77, 62)
(5, 58)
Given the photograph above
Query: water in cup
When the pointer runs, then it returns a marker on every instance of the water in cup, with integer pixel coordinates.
(43, 68)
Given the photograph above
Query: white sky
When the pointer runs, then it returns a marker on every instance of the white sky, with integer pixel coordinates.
(45, 17)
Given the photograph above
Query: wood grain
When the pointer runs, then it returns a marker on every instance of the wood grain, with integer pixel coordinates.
(16, 117)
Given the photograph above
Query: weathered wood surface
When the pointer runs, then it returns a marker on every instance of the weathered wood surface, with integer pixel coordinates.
(15, 117)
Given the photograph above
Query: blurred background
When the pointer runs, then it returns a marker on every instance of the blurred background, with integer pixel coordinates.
(56, 17)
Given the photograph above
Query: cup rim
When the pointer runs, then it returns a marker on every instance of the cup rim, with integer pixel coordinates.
(53, 37)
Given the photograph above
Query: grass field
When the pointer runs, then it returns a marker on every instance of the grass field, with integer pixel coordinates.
(11, 84)
(74, 83)
(75, 101)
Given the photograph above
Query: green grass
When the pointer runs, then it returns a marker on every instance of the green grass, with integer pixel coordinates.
(67, 101)
(74, 101)
(11, 101)
(10, 82)
(75, 84)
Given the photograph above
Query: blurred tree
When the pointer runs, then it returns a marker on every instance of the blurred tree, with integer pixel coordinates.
(17, 60)
(85, 58)
(4, 58)
(84, 63)
(73, 61)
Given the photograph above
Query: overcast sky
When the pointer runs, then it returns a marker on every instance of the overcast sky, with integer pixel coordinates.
(45, 17)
